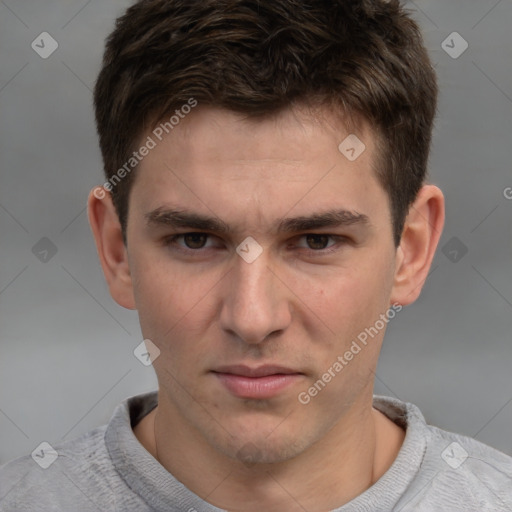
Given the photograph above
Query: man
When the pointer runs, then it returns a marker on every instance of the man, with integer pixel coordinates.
(266, 213)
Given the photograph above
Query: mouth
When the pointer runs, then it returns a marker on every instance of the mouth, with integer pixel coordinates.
(257, 383)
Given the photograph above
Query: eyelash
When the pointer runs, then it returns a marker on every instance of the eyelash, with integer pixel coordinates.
(171, 241)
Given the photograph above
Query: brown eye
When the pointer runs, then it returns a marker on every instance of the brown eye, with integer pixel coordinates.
(189, 242)
(195, 240)
(317, 242)
(321, 244)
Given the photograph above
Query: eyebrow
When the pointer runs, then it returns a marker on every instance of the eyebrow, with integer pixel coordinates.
(176, 218)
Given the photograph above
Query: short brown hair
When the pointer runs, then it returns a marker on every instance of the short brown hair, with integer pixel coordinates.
(258, 57)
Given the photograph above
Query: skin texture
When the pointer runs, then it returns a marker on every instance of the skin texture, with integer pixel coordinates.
(297, 305)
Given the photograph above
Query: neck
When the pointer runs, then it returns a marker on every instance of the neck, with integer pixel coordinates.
(350, 458)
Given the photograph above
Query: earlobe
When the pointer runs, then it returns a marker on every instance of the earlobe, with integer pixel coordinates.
(420, 237)
(112, 252)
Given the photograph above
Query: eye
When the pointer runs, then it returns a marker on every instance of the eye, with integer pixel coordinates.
(318, 244)
(193, 241)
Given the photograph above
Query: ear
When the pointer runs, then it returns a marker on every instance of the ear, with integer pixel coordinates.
(420, 236)
(112, 252)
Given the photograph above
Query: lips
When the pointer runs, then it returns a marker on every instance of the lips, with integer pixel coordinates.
(260, 371)
(262, 382)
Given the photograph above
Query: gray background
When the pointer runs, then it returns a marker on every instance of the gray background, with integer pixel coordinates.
(66, 348)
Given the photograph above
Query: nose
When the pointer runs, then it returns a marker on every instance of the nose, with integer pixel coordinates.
(255, 302)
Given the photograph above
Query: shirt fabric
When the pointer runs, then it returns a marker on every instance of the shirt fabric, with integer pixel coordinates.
(107, 469)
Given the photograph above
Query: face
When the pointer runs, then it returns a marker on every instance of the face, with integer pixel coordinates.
(314, 268)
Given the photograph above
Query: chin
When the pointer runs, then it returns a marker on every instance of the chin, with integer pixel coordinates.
(263, 450)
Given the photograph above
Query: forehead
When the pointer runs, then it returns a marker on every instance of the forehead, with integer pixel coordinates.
(293, 136)
(218, 160)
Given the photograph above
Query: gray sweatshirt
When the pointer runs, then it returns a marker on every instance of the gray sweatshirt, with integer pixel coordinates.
(107, 469)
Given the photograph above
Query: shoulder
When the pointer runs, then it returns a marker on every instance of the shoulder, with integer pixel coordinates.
(56, 478)
(70, 476)
(458, 473)
(79, 474)
(473, 469)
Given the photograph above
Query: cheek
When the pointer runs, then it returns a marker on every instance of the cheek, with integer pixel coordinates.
(352, 293)
(155, 290)
(173, 306)
(347, 301)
